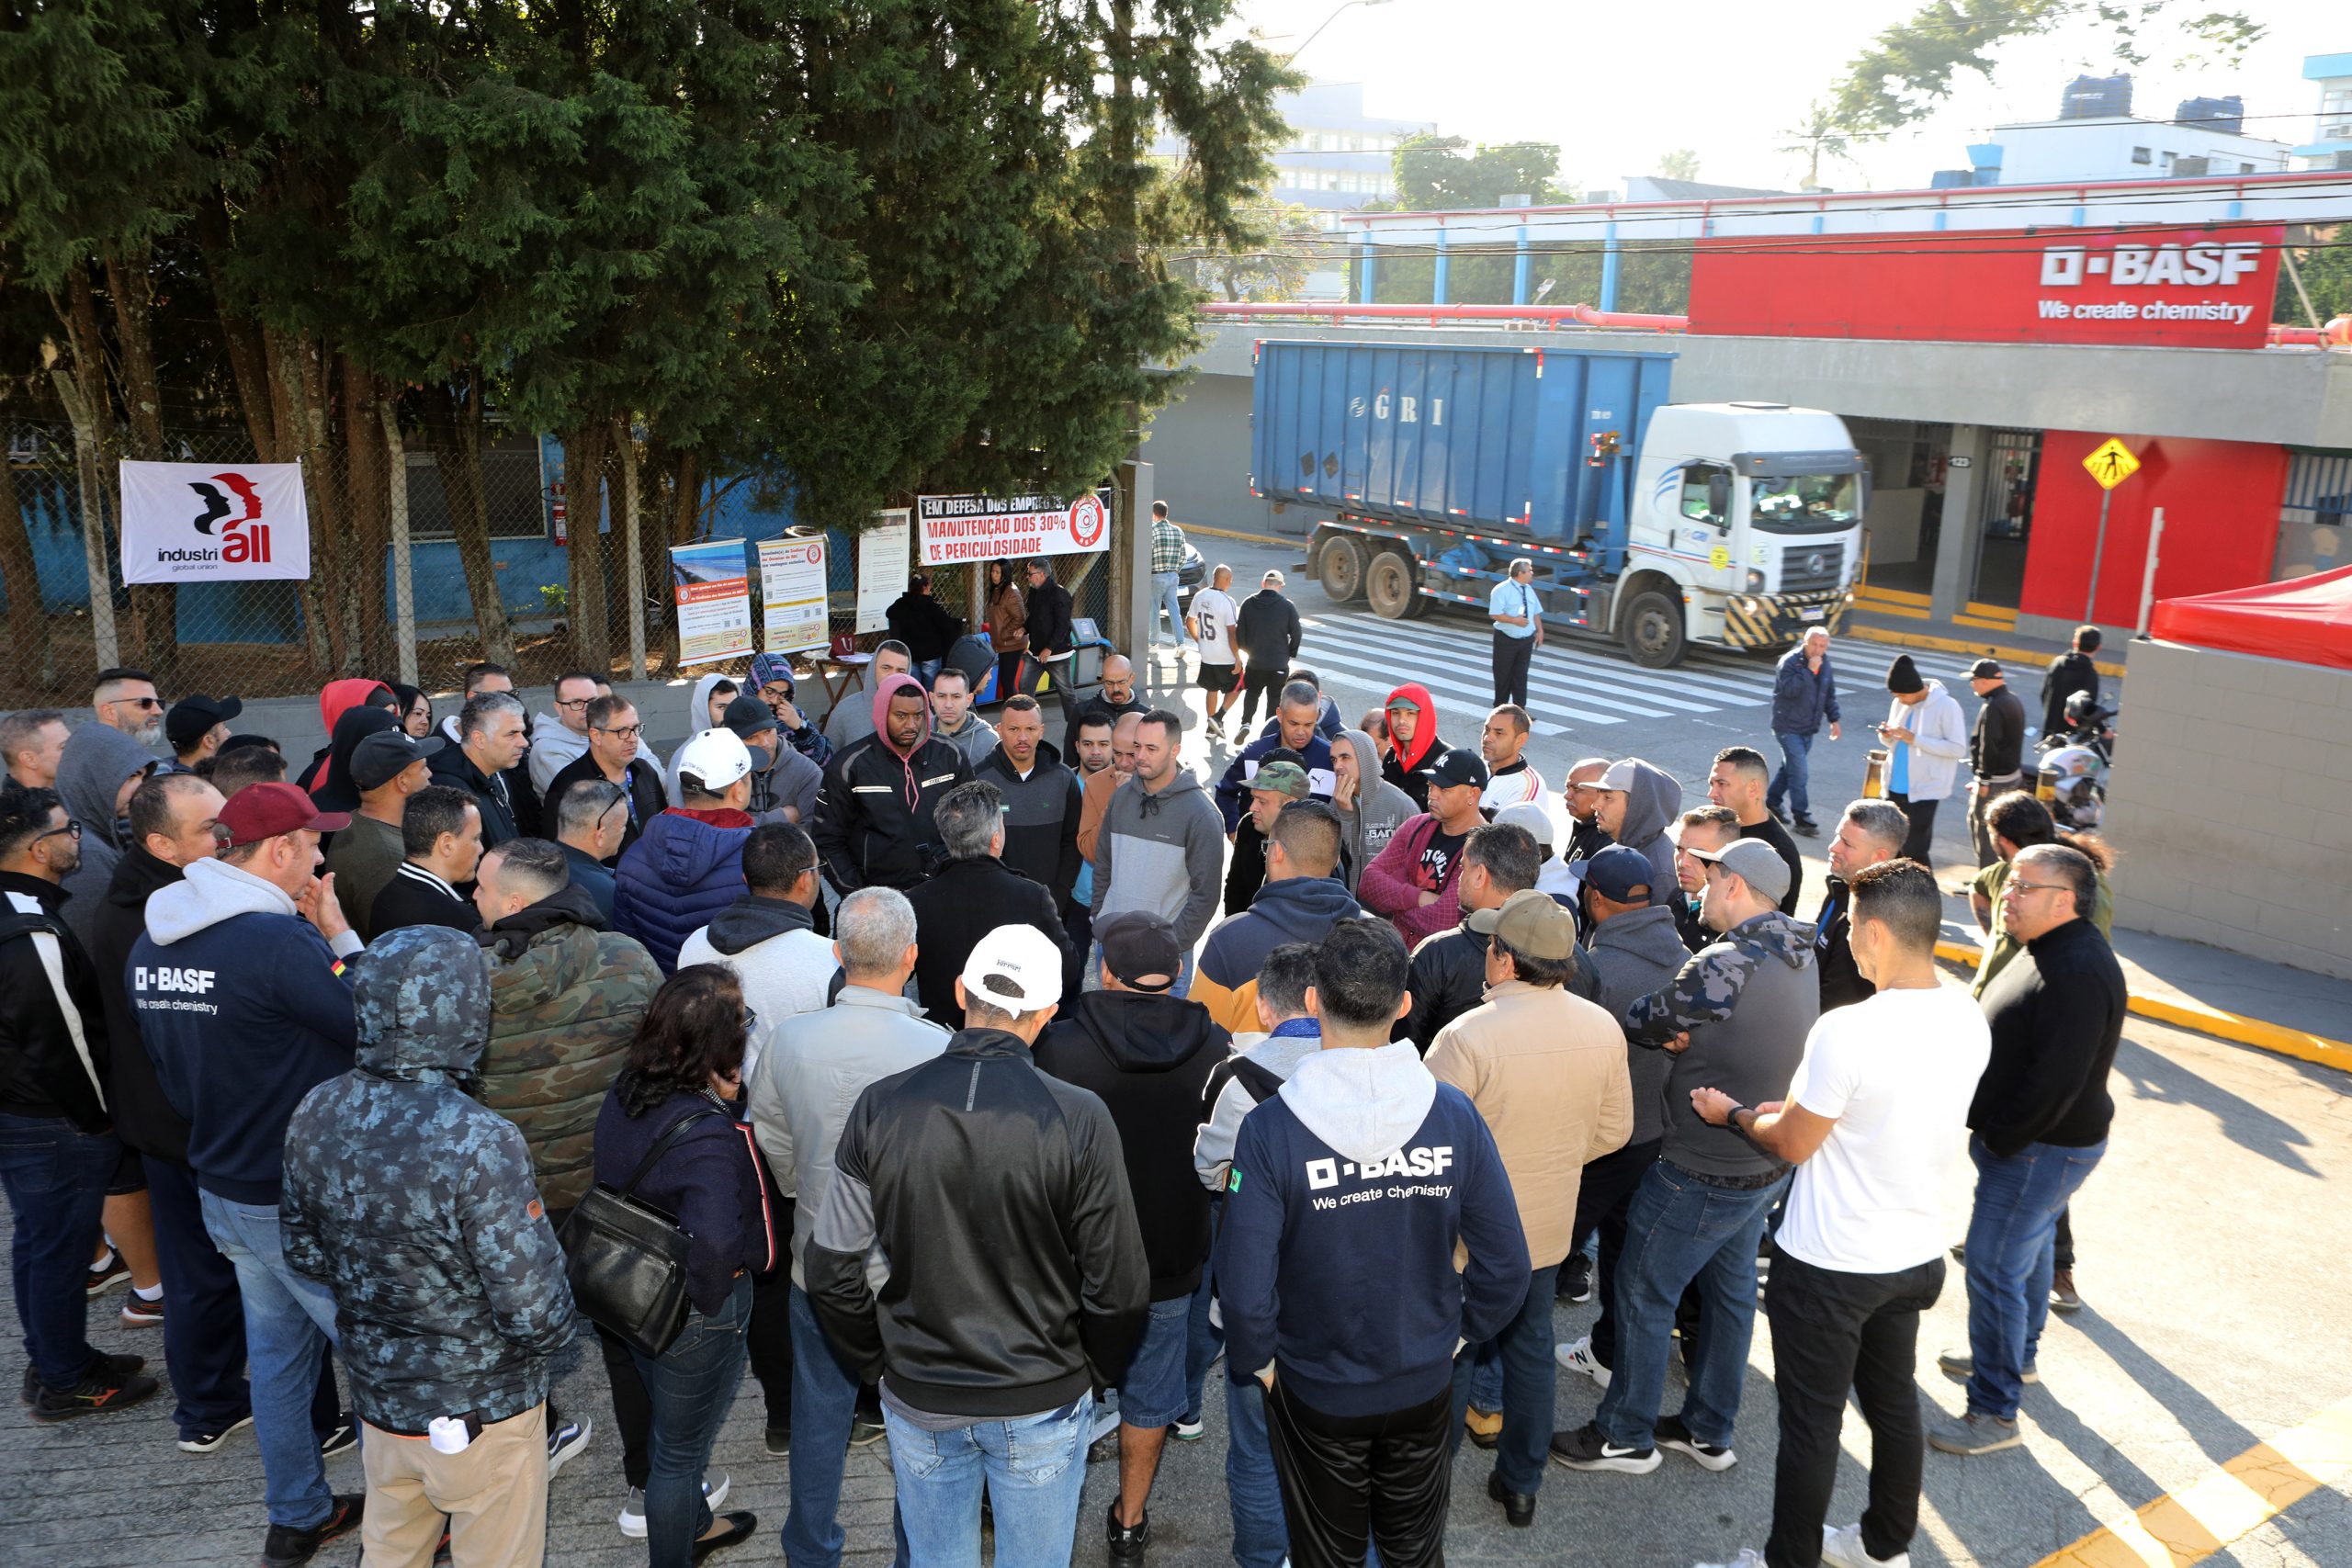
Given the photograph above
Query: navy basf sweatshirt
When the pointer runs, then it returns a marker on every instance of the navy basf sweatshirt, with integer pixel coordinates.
(1334, 1262)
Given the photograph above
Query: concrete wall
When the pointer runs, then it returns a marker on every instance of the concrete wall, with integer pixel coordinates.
(2227, 805)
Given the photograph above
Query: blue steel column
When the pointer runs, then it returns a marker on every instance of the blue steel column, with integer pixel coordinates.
(1518, 269)
(1368, 269)
(1610, 256)
(1437, 284)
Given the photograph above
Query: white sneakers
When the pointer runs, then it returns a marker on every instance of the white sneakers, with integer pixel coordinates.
(1579, 1358)
(1843, 1549)
(632, 1519)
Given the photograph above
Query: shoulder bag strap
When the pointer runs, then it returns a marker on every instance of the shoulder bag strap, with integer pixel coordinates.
(677, 1130)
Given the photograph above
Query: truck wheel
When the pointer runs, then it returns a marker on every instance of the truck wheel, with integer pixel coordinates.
(1391, 586)
(1340, 565)
(1653, 630)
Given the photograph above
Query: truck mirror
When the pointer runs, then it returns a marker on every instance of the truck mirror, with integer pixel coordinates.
(1719, 495)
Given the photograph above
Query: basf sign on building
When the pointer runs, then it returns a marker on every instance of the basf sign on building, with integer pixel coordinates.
(2180, 285)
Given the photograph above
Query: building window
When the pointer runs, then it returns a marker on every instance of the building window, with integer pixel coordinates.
(2139, 154)
(2246, 168)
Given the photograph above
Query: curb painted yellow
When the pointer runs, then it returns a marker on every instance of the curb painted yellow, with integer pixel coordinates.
(2225, 1505)
(1242, 534)
(2263, 1037)
(2026, 657)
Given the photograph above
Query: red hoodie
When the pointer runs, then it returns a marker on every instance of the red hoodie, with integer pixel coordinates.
(339, 697)
(1424, 732)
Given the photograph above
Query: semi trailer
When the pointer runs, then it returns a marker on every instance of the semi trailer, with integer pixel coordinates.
(1656, 523)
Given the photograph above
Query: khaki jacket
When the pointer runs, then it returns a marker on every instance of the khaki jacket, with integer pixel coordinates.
(1548, 1070)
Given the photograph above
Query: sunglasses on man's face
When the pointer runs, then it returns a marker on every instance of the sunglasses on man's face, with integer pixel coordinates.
(142, 702)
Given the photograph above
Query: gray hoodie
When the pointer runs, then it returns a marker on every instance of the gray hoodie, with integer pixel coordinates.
(1651, 805)
(1635, 952)
(1162, 852)
(90, 772)
(976, 739)
(1748, 1001)
(1364, 1103)
(1380, 809)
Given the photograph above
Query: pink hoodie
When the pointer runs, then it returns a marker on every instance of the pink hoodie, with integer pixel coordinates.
(891, 685)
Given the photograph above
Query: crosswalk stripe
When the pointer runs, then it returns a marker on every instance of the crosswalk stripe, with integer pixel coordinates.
(1551, 688)
(1334, 673)
(1676, 686)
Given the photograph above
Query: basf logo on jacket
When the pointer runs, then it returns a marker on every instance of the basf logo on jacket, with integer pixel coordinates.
(2183, 286)
(200, 522)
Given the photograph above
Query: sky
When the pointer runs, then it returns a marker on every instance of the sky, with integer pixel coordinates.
(1727, 78)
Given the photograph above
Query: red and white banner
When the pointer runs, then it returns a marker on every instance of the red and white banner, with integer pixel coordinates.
(210, 522)
(958, 529)
(2185, 285)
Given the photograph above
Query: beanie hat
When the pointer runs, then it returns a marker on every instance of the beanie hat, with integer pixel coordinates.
(1902, 677)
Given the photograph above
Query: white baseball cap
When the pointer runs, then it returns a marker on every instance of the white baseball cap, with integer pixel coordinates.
(1015, 969)
(1530, 816)
(718, 757)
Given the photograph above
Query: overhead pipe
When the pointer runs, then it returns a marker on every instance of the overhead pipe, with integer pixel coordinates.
(2338, 333)
(1554, 315)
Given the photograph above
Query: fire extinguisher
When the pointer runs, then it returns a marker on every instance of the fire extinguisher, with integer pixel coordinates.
(557, 513)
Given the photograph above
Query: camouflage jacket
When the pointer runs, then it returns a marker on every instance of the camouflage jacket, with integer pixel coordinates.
(1748, 999)
(414, 1205)
(565, 999)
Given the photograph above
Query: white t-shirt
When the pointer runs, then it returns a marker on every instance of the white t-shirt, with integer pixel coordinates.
(1897, 1072)
(1214, 611)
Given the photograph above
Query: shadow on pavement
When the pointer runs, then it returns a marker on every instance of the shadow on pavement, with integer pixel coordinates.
(2156, 1076)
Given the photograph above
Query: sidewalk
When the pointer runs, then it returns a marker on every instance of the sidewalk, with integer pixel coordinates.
(1900, 618)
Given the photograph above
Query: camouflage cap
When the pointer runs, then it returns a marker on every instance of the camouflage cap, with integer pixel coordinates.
(1282, 778)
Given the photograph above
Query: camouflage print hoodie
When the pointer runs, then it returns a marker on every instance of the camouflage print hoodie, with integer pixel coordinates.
(415, 1204)
(1748, 999)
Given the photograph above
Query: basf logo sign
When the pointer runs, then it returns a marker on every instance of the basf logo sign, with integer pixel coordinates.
(2188, 287)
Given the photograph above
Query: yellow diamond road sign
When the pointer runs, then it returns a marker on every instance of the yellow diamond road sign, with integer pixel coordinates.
(2111, 464)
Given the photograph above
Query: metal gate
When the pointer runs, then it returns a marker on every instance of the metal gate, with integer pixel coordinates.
(2005, 514)
(2312, 511)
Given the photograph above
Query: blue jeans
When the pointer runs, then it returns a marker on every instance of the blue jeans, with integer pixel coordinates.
(1789, 783)
(1093, 982)
(55, 1176)
(1033, 1468)
(1151, 1392)
(1166, 587)
(1485, 1366)
(1261, 1536)
(824, 1397)
(2012, 1233)
(1521, 1354)
(1202, 1338)
(927, 670)
(289, 1323)
(1680, 1231)
(691, 1386)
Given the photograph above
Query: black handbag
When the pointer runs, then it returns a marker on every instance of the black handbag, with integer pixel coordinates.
(627, 1259)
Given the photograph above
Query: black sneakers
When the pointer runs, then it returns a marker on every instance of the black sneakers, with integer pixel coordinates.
(779, 1441)
(1672, 1434)
(287, 1547)
(209, 1441)
(107, 1273)
(344, 1437)
(1126, 1544)
(1576, 1280)
(105, 1386)
(1586, 1448)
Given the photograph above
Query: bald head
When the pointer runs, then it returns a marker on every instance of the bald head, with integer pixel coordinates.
(1577, 792)
(1123, 742)
(1118, 679)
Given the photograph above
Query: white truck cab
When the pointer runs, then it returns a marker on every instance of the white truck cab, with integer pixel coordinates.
(1746, 528)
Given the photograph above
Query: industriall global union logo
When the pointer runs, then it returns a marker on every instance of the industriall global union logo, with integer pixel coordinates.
(243, 500)
(1088, 519)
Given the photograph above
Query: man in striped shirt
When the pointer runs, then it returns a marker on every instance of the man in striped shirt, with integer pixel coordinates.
(1512, 780)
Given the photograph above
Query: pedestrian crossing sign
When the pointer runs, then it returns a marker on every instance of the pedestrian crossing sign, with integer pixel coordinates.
(2111, 464)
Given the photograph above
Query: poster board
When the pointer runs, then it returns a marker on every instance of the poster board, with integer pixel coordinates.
(714, 594)
(881, 567)
(793, 604)
(960, 530)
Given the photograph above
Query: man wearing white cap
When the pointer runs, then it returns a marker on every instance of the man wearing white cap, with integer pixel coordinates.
(1018, 1282)
(688, 863)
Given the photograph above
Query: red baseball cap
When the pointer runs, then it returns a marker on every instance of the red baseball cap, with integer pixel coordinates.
(266, 811)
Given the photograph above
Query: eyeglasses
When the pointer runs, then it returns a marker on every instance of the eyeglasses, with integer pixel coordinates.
(574, 703)
(2039, 886)
(625, 731)
(222, 834)
(72, 827)
(138, 702)
(749, 1018)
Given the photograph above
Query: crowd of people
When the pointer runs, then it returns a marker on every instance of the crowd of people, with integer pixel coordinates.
(988, 1089)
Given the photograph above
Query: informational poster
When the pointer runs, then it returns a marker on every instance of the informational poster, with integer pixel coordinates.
(205, 523)
(792, 594)
(960, 529)
(881, 567)
(714, 601)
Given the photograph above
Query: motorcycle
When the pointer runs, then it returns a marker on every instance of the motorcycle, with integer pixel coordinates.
(2074, 765)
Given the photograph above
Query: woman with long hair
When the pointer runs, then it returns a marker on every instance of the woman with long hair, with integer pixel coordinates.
(686, 1065)
(1008, 617)
(415, 710)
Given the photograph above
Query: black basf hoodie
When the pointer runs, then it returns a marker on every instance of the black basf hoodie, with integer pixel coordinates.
(1149, 1058)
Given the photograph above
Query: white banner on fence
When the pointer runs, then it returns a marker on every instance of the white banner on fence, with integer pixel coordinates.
(792, 594)
(881, 567)
(205, 523)
(959, 529)
(714, 601)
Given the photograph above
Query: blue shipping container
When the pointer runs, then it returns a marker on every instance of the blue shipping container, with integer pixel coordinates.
(1484, 438)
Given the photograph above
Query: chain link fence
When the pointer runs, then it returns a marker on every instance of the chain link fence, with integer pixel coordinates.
(517, 550)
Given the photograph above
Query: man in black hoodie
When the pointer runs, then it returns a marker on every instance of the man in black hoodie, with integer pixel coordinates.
(1269, 631)
(486, 762)
(972, 895)
(1150, 1055)
(172, 821)
(2074, 670)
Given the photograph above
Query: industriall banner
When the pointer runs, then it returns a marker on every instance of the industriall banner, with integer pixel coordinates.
(212, 523)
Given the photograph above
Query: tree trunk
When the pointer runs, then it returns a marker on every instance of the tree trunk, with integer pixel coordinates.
(583, 491)
(286, 353)
(368, 497)
(454, 431)
(82, 387)
(31, 657)
(154, 607)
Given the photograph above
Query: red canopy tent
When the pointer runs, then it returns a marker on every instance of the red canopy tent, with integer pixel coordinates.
(2307, 620)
